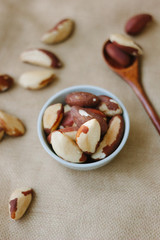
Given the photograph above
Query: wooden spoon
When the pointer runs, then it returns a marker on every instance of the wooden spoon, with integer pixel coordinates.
(132, 77)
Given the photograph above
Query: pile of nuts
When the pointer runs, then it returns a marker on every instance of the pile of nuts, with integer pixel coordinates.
(86, 128)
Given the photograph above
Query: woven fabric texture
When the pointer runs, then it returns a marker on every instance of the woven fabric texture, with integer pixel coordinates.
(120, 201)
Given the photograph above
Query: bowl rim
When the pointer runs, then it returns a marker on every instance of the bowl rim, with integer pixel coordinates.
(82, 166)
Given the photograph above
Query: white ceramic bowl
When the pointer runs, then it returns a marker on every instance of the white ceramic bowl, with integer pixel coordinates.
(60, 97)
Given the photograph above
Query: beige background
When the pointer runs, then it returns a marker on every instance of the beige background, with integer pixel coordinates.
(120, 201)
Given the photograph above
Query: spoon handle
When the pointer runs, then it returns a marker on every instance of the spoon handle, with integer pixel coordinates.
(139, 91)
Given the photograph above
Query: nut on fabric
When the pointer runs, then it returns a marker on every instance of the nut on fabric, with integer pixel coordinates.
(19, 202)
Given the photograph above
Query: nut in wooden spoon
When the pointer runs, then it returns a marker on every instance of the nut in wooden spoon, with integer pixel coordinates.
(122, 56)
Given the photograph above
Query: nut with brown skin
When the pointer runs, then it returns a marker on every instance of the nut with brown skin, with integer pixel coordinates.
(82, 115)
(126, 44)
(66, 148)
(6, 82)
(67, 120)
(36, 79)
(52, 117)
(41, 57)
(59, 33)
(19, 202)
(120, 57)
(11, 124)
(111, 139)
(88, 136)
(82, 99)
(109, 106)
(136, 24)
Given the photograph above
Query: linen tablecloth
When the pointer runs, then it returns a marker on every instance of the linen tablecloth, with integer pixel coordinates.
(120, 201)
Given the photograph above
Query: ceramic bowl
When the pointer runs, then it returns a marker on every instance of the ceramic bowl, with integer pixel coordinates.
(60, 98)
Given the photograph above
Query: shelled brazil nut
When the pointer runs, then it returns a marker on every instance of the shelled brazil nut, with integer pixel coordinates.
(10, 125)
(41, 57)
(60, 32)
(93, 130)
(19, 202)
(137, 23)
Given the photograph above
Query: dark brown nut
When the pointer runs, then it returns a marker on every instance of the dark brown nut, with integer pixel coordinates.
(82, 99)
(66, 148)
(19, 202)
(109, 106)
(6, 82)
(59, 33)
(136, 24)
(88, 136)
(41, 57)
(11, 124)
(120, 57)
(82, 115)
(126, 44)
(111, 139)
(52, 117)
(67, 120)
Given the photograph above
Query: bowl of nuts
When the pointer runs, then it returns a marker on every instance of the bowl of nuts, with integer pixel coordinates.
(83, 127)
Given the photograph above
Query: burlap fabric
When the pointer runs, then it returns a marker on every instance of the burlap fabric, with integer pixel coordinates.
(120, 201)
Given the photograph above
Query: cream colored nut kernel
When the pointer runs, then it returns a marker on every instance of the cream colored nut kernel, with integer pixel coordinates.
(109, 106)
(126, 42)
(41, 57)
(11, 124)
(36, 79)
(111, 139)
(59, 33)
(1, 134)
(88, 136)
(19, 202)
(52, 117)
(66, 148)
